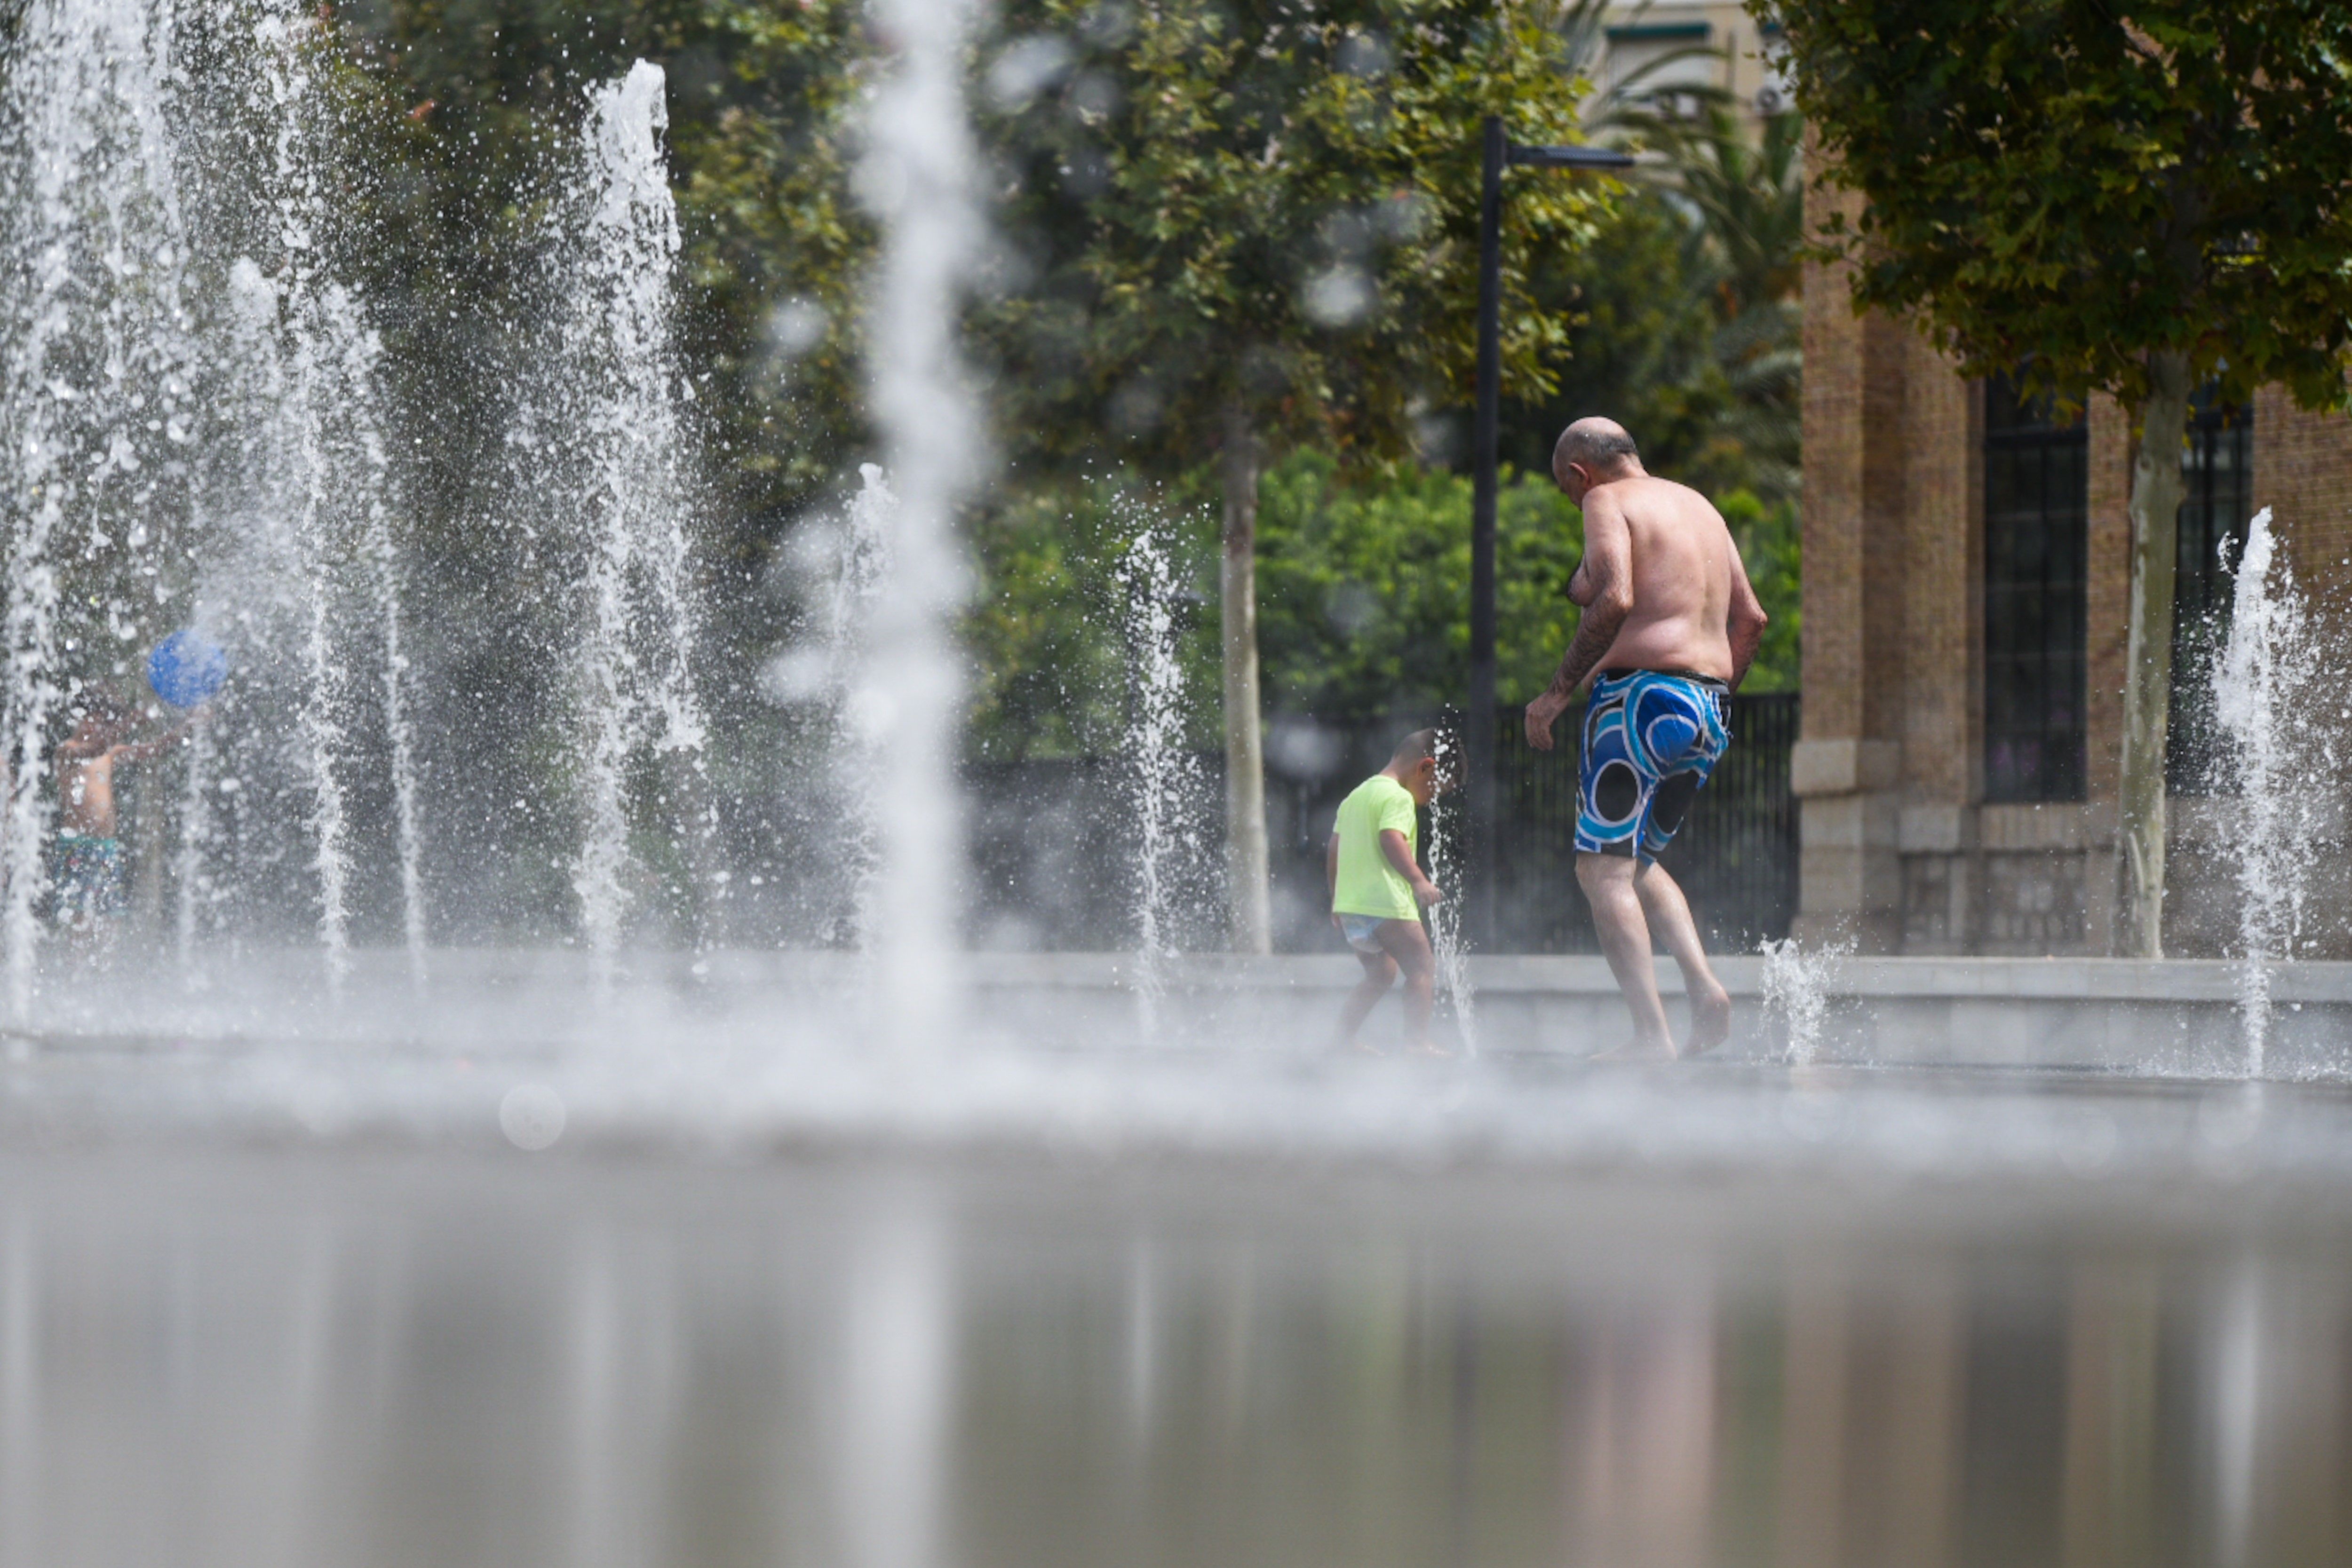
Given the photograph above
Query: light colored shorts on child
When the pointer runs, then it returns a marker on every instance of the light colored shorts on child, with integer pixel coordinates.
(1363, 932)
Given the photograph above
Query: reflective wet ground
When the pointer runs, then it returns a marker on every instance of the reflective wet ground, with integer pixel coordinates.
(255, 1345)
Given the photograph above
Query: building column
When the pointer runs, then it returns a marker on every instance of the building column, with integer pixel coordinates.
(2303, 471)
(1846, 766)
(1942, 652)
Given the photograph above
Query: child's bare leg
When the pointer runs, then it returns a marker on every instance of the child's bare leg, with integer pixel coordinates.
(1380, 973)
(1408, 944)
(1670, 918)
(1607, 883)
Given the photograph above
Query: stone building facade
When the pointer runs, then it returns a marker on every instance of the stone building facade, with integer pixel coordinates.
(1966, 577)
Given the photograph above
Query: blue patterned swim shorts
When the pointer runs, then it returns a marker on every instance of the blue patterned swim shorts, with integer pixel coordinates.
(1650, 738)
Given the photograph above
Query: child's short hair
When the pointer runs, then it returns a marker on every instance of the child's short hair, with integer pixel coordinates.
(1414, 747)
(1439, 744)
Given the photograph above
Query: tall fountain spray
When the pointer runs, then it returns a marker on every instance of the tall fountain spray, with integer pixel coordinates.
(189, 384)
(1452, 949)
(94, 392)
(611, 422)
(1164, 787)
(2272, 674)
(305, 560)
(918, 177)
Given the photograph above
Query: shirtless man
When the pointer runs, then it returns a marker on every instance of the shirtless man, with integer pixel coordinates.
(1671, 624)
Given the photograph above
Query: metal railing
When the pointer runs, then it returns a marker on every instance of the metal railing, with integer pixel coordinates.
(1736, 856)
(1053, 866)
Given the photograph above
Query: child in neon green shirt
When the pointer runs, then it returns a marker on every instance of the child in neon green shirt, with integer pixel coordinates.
(1379, 890)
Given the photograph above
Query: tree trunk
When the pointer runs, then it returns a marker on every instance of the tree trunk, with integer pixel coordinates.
(2155, 495)
(1245, 859)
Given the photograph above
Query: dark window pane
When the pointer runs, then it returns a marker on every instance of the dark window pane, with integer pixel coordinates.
(2217, 471)
(2037, 510)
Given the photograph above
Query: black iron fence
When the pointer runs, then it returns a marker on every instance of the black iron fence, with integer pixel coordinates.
(1054, 853)
(1736, 856)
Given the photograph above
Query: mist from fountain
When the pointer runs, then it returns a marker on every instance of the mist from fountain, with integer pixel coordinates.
(920, 177)
(197, 386)
(844, 566)
(297, 556)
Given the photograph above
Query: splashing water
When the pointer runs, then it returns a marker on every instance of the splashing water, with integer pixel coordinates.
(2271, 673)
(219, 457)
(1165, 788)
(919, 177)
(221, 439)
(89, 182)
(1445, 936)
(610, 411)
(300, 386)
(1797, 985)
(317, 312)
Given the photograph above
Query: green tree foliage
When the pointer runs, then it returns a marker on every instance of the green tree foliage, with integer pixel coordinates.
(1364, 579)
(1365, 583)
(1270, 207)
(761, 101)
(1045, 631)
(1363, 575)
(1247, 228)
(2125, 195)
(1685, 323)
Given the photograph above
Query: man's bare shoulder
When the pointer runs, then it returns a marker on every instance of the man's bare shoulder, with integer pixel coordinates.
(1645, 497)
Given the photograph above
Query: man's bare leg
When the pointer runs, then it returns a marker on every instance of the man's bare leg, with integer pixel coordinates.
(1670, 918)
(1608, 883)
(1405, 942)
(1380, 973)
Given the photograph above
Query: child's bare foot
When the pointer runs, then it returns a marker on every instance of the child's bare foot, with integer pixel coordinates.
(1363, 1047)
(1429, 1048)
(1710, 1021)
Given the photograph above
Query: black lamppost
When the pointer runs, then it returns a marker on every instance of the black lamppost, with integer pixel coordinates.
(1478, 729)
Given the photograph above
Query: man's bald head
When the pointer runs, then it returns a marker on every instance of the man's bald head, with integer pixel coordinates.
(1599, 446)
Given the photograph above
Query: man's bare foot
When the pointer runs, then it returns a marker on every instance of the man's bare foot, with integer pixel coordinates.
(1639, 1050)
(1710, 1021)
(1363, 1047)
(1429, 1048)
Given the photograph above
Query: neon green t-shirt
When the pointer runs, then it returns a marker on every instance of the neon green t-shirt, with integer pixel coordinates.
(1368, 884)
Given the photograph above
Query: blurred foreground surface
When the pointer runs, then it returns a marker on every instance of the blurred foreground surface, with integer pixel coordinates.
(257, 1346)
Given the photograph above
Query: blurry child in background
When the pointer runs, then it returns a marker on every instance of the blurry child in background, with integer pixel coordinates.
(1379, 890)
(88, 875)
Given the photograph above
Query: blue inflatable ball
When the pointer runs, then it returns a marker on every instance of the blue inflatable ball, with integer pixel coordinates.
(185, 669)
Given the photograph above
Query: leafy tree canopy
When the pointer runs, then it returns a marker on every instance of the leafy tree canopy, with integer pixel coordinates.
(762, 100)
(1362, 579)
(1685, 323)
(1267, 208)
(2073, 185)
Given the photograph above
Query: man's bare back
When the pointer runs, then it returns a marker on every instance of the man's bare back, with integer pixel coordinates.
(1682, 564)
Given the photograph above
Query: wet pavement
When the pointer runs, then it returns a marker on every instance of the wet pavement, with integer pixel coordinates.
(2119, 1330)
